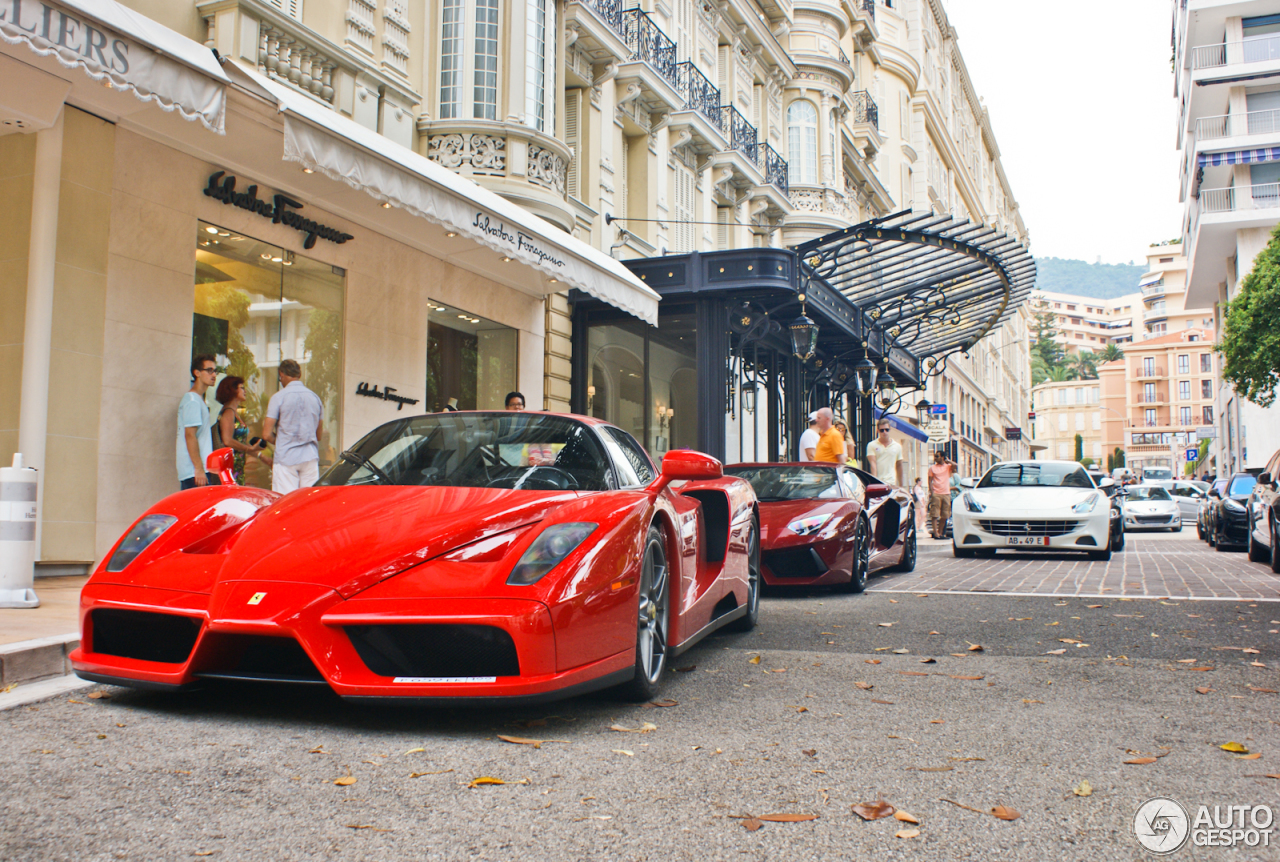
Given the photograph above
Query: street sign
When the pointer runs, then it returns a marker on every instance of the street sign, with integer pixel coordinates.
(938, 409)
(1031, 416)
(939, 432)
(1207, 432)
(1013, 433)
(1193, 454)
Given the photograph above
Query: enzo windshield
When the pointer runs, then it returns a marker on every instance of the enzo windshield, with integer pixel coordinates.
(1154, 493)
(1047, 475)
(530, 451)
(789, 483)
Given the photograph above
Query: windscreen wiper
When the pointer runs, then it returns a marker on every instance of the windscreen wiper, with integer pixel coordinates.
(357, 458)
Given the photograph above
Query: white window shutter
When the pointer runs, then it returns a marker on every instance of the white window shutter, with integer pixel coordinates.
(574, 140)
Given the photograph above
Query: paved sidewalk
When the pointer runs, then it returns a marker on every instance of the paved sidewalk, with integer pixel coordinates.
(35, 642)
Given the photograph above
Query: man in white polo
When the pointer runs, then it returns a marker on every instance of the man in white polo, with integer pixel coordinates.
(809, 439)
(294, 425)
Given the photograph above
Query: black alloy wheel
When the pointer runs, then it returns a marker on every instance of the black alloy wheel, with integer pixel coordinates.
(861, 558)
(1257, 551)
(748, 621)
(910, 550)
(1275, 546)
(653, 617)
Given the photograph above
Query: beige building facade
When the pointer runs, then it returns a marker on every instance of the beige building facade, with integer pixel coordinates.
(1065, 410)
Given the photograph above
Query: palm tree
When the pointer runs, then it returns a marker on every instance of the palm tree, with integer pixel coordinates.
(1059, 374)
(1082, 366)
(1110, 353)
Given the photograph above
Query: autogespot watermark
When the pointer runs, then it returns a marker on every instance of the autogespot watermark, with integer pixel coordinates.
(1163, 825)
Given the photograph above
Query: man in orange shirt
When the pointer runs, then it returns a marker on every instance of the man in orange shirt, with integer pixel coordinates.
(830, 446)
(940, 493)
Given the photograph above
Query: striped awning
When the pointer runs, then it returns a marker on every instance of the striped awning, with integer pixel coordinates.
(1239, 157)
(1150, 278)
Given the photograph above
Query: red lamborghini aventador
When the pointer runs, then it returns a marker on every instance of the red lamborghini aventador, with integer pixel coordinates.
(508, 557)
(824, 524)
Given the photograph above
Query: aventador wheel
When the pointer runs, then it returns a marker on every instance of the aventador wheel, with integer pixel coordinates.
(861, 559)
(651, 622)
(909, 551)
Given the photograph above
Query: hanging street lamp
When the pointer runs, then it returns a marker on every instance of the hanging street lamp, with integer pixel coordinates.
(804, 336)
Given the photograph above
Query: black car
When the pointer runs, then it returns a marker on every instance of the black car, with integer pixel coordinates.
(1264, 516)
(1116, 495)
(1230, 516)
(1204, 522)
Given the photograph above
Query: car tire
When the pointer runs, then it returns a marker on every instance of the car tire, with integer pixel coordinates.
(652, 621)
(748, 621)
(1117, 541)
(910, 550)
(1199, 531)
(984, 552)
(861, 559)
(1275, 548)
(1177, 529)
(960, 553)
(1257, 552)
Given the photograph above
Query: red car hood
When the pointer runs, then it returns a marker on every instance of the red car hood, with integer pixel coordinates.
(774, 516)
(350, 538)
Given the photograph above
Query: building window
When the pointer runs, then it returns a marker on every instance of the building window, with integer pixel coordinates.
(1079, 421)
(481, 65)
(1063, 452)
(257, 305)
(1208, 415)
(1184, 415)
(1148, 366)
(1062, 421)
(1097, 421)
(1184, 363)
(471, 362)
(1149, 393)
(802, 142)
(1149, 416)
(1184, 390)
(540, 67)
(1206, 363)
(1206, 388)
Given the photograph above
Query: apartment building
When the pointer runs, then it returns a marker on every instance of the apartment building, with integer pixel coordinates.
(1064, 410)
(1086, 325)
(1227, 62)
(1154, 400)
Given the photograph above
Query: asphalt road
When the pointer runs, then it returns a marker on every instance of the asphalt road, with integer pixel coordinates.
(249, 773)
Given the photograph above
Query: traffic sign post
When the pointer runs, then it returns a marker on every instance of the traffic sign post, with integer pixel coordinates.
(1193, 454)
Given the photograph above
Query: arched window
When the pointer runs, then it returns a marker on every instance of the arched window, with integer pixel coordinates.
(802, 143)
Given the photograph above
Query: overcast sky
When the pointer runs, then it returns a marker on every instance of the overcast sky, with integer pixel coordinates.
(1081, 102)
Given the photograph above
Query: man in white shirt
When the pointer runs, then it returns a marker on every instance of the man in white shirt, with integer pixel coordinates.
(885, 456)
(809, 439)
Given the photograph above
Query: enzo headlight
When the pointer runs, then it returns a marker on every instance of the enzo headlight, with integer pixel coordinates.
(556, 542)
(138, 539)
(809, 525)
(971, 504)
(1085, 506)
(1233, 505)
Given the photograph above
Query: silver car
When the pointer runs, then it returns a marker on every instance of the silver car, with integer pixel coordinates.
(1151, 507)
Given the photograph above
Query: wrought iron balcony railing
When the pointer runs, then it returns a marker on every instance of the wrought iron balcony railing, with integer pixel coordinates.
(775, 168)
(869, 6)
(741, 134)
(844, 58)
(865, 110)
(649, 44)
(699, 94)
(609, 10)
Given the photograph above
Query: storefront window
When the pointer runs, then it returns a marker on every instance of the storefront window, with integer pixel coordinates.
(256, 305)
(471, 362)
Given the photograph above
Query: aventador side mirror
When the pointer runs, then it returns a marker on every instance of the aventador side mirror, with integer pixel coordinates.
(686, 465)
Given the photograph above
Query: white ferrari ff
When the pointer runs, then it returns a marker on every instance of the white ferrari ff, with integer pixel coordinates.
(1033, 506)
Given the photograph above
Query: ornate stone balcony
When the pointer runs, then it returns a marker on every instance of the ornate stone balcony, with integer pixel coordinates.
(512, 159)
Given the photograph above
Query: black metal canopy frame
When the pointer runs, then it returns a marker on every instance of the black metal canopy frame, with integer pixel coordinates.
(927, 284)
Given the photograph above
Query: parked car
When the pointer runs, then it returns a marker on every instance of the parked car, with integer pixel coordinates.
(489, 557)
(1204, 516)
(1187, 494)
(824, 524)
(1116, 496)
(1264, 516)
(1151, 507)
(1157, 474)
(1230, 516)
(1033, 506)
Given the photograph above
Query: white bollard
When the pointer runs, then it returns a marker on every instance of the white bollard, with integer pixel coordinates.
(18, 536)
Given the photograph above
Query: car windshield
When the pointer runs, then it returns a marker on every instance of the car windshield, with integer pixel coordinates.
(1155, 473)
(529, 451)
(789, 483)
(1046, 475)
(1152, 492)
(1242, 485)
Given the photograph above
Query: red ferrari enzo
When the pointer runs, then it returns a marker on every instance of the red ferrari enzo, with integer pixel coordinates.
(825, 524)
(453, 557)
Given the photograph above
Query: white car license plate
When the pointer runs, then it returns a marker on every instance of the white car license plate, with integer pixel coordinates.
(1028, 540)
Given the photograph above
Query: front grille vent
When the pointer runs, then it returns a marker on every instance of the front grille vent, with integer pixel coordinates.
(435, 650)
(1028, 528)
(143, 635)
(794, 563)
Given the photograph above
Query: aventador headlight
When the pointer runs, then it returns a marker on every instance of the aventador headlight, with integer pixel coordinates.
(971, 504)
(809, 525)
(1085, 506)
(556, 542)
(137, 539)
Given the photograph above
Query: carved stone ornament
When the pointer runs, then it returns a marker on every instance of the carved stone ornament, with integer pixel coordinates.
(546, 168)
(485, 153)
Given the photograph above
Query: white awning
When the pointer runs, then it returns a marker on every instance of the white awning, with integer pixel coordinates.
(116, 45)
(1150, 278)
(320, 139)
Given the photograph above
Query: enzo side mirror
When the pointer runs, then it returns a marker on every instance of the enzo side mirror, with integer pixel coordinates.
(222, 462)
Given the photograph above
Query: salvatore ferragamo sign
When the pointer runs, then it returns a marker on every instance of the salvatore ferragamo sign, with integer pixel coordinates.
(281, 209)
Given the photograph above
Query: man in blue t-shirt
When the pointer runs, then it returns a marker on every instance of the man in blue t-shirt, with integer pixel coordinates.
(195, 442)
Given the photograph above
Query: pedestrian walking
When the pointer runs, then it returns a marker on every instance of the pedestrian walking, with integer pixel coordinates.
(921, 496)
(830, 446)
(294, 425)
(940, 474)
(194, 441)
(884, 456)
(230, 432)
(809, 439)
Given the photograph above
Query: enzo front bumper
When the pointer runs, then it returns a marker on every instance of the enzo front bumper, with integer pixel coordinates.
(1032, 532)
(446, 650)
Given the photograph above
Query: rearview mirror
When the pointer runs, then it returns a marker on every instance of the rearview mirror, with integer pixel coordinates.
(1106, 482)
(967, 483)
(686, 465)
(223, 463)
(1264, 479)
(875, 491)
(1213, 492)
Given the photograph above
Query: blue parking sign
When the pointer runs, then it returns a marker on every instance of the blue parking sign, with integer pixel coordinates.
(1193, 454)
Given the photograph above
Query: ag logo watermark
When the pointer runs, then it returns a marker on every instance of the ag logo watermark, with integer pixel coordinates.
(1163, 825)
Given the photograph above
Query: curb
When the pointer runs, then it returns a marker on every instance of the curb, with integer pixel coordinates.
(41, 658)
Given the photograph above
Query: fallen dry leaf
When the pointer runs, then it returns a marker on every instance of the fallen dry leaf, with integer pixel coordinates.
(1003, 813)
(371, 828)
(1083, 789)
(928, 661)
(1257, 664)
(1234, 747)
(884, 625)
(204, 853)
(918, 673)
(81, 702)
(905, 817)
(1068, 641)
(934, 768)
(644, 728)
(906, 833)
(953, 676)
(975, 648)
(1141, 761)
(1261, 690)
(1253, 756)
(811, 752)
(1186, 661)
(624, 751)
(751, 825)
(345, 781)
(410, 751)
(1250, 651)
(960, 654)
(420, 774)
(99, 695)
(487, 779)
(1203, 690)
(901, 651)
(885, 702)
(787, 818)
(967, 759)
(873, 810)
(865, 686)
(1056, 651)
(871, 661)
(1093, 606)
(687, 668)
(937, 721)
(520, 740)
(1200, 668)
(664, 703)
(1025, 700)
(754, 660)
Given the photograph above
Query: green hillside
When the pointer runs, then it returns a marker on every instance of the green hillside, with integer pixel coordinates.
(1096, 280)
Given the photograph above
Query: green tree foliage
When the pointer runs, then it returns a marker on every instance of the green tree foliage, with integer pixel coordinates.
(1250, 344)
(1079, 447)
(323, 368)
(1110, 353)
(1119, 457)
(1048, 360)
(1086, 462)
(1081, 278)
